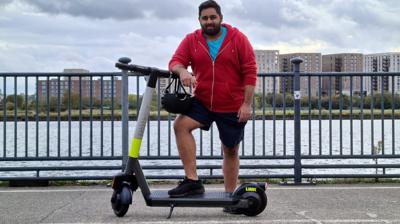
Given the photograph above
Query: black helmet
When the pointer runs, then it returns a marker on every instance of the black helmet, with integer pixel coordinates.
(174, 101)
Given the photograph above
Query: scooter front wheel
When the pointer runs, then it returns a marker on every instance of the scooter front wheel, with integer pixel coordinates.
(121, 200)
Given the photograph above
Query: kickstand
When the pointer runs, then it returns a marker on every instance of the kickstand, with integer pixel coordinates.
(170, 211)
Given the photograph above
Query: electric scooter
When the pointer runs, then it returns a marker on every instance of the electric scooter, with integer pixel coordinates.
(249, 199)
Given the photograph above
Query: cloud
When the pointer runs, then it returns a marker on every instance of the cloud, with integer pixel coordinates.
(111, 9)
(52, 35)
(4, 3)
(48, 36)
(351, 25)
(273, 13)
(371, 13)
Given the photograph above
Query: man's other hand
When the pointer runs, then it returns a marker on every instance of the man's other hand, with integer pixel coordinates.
(244, 112)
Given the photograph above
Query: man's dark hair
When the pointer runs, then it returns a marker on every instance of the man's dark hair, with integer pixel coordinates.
(210, 4)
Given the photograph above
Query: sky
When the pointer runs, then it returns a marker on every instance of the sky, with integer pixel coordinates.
(48, 36)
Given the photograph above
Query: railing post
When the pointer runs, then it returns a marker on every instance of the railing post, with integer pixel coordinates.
(297, 119)
(125, 113)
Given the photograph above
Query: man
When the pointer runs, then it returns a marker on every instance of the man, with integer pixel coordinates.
(224, 77)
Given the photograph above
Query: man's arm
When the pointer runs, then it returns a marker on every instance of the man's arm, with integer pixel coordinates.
(248, 68)
(186, 77)
(180, 61)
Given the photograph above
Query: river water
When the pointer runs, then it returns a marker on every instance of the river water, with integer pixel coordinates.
(163, 145)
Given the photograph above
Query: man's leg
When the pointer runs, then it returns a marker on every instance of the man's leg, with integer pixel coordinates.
(183, 127)
(231, 167)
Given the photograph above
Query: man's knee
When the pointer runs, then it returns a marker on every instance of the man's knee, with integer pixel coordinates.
(178, 123)
(183, 123)
(231, 152)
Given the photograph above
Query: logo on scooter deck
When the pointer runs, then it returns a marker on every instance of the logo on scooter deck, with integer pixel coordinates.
(251, 189)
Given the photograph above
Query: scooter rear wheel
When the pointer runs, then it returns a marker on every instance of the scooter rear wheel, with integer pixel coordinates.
(120, 201)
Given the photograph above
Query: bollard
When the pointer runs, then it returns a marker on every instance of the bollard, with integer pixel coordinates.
(125, 113)
(297, 119)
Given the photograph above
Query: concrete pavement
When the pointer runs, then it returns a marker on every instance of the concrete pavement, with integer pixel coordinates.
(356, 203)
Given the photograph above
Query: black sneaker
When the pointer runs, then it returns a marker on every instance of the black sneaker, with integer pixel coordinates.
(187, 187)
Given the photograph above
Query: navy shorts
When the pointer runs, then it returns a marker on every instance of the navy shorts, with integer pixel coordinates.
(231, 131)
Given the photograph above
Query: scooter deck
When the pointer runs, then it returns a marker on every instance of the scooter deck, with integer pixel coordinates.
(208, 199)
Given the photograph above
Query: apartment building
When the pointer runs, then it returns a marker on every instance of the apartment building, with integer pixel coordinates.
(267, 62)
(311, 63)
(382, 62)
(345, 62)
(81, 85)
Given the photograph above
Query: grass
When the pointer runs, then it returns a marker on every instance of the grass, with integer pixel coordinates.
(79, 182)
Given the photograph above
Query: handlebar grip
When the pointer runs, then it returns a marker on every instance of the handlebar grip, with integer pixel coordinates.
(146, 70)
(133, 68)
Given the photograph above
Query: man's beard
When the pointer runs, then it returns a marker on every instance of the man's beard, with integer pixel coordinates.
(212, 32)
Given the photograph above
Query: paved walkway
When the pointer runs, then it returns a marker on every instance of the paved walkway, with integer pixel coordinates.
(360, 203)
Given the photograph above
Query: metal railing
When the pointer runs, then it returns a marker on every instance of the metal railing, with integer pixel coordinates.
(305, 125)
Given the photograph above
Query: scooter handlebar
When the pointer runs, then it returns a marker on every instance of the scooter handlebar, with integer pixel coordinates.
(145, 70)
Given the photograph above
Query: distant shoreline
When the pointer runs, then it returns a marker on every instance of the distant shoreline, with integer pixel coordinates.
(279, 115)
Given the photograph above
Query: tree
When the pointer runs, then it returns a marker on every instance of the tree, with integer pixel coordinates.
(132, 99)
(20, 100)
(74, 101)
(53, 103)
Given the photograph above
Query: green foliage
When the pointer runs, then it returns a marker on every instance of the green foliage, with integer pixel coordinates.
(10, 106)
(333, 101)
(133, 101)
(53, 104)
(313, 103)
(154, 103)
(20, 101)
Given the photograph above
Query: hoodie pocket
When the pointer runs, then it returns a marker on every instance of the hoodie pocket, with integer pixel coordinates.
(203, 92)
(222, 96)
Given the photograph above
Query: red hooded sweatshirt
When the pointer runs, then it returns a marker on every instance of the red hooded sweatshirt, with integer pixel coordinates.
(220, 83)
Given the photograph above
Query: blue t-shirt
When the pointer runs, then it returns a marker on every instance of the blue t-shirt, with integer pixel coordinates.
(215, 45)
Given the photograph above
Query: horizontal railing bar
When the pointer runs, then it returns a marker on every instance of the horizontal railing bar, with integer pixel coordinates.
(351, 156)
(316, 157)
(150, 167)
(203, 177)
(57, 178)
(52, 168)
(162, 177)
(61, 158)
(155, 167)
(56, 74)
(170, 167)
(349, 166)
(174, 177)
(315, 176)
(141, 158)
(273, 74)
(336, 74)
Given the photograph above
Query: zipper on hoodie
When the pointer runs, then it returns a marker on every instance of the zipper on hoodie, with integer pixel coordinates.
(213, 69)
